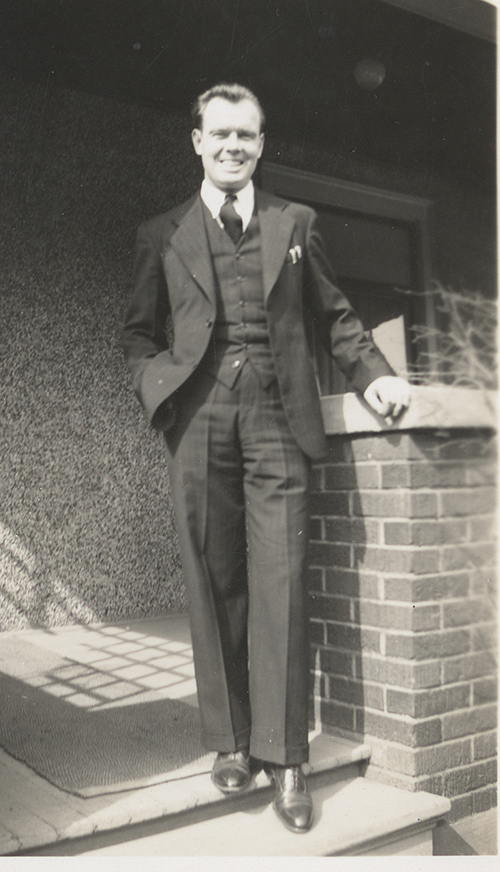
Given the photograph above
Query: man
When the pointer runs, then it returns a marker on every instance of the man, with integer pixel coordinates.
(239, 273)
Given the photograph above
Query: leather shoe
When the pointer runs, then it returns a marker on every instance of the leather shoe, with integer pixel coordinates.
(293, 803)
(231, 772)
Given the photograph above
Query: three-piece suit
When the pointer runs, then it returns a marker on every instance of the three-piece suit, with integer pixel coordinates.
(232, 384)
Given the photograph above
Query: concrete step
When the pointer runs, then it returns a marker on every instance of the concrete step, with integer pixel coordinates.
(44, 820)
(353, 816)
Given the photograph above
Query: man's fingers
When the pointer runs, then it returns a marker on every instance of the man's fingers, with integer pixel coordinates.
(388, 396)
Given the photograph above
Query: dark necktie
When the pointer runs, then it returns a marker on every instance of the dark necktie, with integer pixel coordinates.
(233, 225)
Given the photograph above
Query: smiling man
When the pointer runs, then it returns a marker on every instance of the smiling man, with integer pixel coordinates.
(238, 272)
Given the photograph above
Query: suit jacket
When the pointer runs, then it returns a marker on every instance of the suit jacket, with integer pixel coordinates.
(173, 276)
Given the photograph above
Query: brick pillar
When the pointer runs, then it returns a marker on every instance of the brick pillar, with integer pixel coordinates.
(402, 611)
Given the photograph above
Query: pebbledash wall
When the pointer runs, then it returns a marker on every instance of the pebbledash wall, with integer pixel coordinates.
(402, 557)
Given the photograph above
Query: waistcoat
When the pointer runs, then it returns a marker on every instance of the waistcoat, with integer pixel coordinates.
(240, 336)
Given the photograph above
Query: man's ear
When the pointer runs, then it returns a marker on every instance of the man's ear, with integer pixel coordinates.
(196, 137)
(261, 144)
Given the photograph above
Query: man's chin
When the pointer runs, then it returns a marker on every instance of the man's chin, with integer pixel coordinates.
(232, 183)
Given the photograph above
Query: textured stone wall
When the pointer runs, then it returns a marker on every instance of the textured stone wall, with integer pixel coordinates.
(402, 569)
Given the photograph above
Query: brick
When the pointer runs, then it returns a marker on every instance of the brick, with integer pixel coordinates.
(373, 668)
(395, 475)
(352, 638)
(469, 722)
(400, 702)
(316, 529)
(398, 729)
(481, 474)
(317, 632)
(430, 587)
(404, 560)
(427, 645)
(379, 504)
(373, 696)
(329, 504)
(395, 673)
(423, 505)
(467, 501)
(425, 617)
(467, 555)
(453, 531)
(484, 637)
(315, 580)
(438, 475)
(430, 783)
(427, 674)
(351, 476)
(482, 528)
(484, 582)
(351, 582)
(425, 532)
(346, 690)
(394, 504)
(485, 745)
(423, 475)
(402, 617)
(461, 807)
(317, 478)
(470, 777)
(329, 608)
(340, 450)
(457, 614)
(358, 693)
(484, 799)
(467, 448)
(439, 758)
(485, 690)
(337, 662)
(426, 703)
(437, 701)
(329, 554)
(397, 758)
(335, 715)
(352, 530)
(399, 533)
(394, 446)
(468, 666)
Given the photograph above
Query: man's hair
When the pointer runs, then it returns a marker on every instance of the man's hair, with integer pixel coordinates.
(234, 93)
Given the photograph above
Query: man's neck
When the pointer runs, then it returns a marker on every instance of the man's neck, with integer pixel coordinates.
(213, 198)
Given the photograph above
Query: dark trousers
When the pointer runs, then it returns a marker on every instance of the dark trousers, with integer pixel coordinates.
(240, 489)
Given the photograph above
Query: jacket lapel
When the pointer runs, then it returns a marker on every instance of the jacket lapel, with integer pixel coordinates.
(276, 228)
(191, 245)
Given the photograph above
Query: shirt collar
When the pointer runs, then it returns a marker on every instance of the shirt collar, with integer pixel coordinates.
(244, 204)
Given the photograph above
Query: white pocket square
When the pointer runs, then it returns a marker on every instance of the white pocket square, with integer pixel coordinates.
(295, 253)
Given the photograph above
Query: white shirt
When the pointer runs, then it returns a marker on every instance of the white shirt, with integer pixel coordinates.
(214, 198)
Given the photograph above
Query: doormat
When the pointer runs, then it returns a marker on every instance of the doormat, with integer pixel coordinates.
(91, 751)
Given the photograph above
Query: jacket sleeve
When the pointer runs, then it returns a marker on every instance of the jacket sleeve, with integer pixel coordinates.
(339, 328)
(144, 337)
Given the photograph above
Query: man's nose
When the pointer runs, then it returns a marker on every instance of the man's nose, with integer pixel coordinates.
(233, 141)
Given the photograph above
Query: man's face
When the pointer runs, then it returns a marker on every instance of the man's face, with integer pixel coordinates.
(229, 143)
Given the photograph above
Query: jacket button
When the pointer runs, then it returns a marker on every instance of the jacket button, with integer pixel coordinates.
(209, 323)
